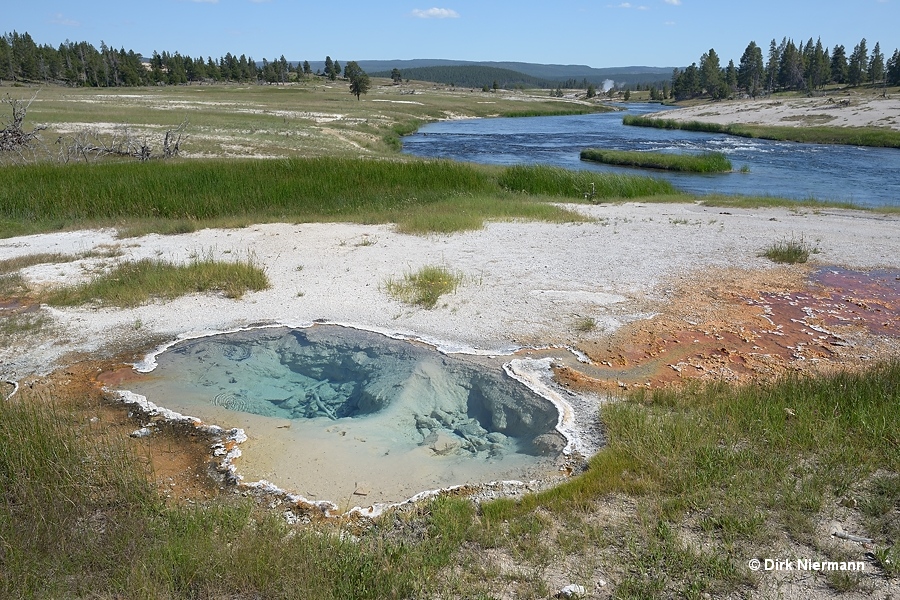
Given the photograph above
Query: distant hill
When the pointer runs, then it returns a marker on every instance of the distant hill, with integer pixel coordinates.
(472, 76)
(552, 75)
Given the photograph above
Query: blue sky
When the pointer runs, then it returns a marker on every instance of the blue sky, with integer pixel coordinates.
(596, 33)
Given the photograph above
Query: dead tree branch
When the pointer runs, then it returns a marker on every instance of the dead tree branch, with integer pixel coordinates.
(14, 137)
(90, 145)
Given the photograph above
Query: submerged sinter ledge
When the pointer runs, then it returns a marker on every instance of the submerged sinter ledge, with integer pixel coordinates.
(356, 417)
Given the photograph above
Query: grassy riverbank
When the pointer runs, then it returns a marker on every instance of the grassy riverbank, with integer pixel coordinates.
(854, 136)
(187, 195)
(742, 472)
(310, 118)
(708, 162)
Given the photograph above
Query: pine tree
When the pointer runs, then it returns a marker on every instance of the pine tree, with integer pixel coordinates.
(876, 65)
(858, 64)
(839, 68)
(710, 74)
(359, 80)
(893, 69)
(751, 71)
(772, 66)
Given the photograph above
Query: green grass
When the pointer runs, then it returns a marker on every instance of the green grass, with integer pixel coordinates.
(583, 110)
(11, 265)
(855, 136)
(775, 202)
(182, 196)
(755, 462)
(425, 286)
(555, 182)
(13, 285)
(708, 162)
(789, 251)
(78, 519)
(133, 283)
(14, 327)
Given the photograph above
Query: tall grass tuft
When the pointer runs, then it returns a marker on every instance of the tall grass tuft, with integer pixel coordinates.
(792, 251)
(558, 182)
(708, 162)
(133, 283)
(425, 286)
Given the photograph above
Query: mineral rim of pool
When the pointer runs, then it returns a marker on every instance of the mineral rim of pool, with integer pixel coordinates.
(355, 417)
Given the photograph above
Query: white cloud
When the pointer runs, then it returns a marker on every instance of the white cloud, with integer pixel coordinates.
(673, 2)
(629, 5)
(435, 13)
(61, 19)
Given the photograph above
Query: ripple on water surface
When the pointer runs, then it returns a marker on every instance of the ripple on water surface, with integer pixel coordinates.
(351, 416)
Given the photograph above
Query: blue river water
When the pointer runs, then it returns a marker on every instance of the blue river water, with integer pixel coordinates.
(867, 177)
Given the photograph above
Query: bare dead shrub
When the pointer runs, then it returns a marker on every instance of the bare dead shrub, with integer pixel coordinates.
(26, 146)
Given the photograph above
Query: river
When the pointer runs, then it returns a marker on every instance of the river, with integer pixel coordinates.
(862, 176)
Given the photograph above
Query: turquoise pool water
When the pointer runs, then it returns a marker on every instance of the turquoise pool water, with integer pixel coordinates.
(337, 413)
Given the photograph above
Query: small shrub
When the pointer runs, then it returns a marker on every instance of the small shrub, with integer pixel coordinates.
(888, 559)
(585, 324)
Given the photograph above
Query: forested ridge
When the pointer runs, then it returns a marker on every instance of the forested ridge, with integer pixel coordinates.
(787, 67)
(82, 64)
(808, 66)
(472, 76)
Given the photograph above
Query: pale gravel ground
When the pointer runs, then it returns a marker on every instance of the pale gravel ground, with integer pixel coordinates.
(524, 283)
(797, 112)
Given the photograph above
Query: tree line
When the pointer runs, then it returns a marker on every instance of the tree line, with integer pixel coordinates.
(787, 67)
(81, 64)
(469, 76)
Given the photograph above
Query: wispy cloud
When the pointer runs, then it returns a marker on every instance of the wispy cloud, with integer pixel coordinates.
(435, 13)
(629, 5)
(205, 1)
(673, 2)
(61, 19)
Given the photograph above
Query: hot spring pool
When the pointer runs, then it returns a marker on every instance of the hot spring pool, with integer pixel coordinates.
(355, 417)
